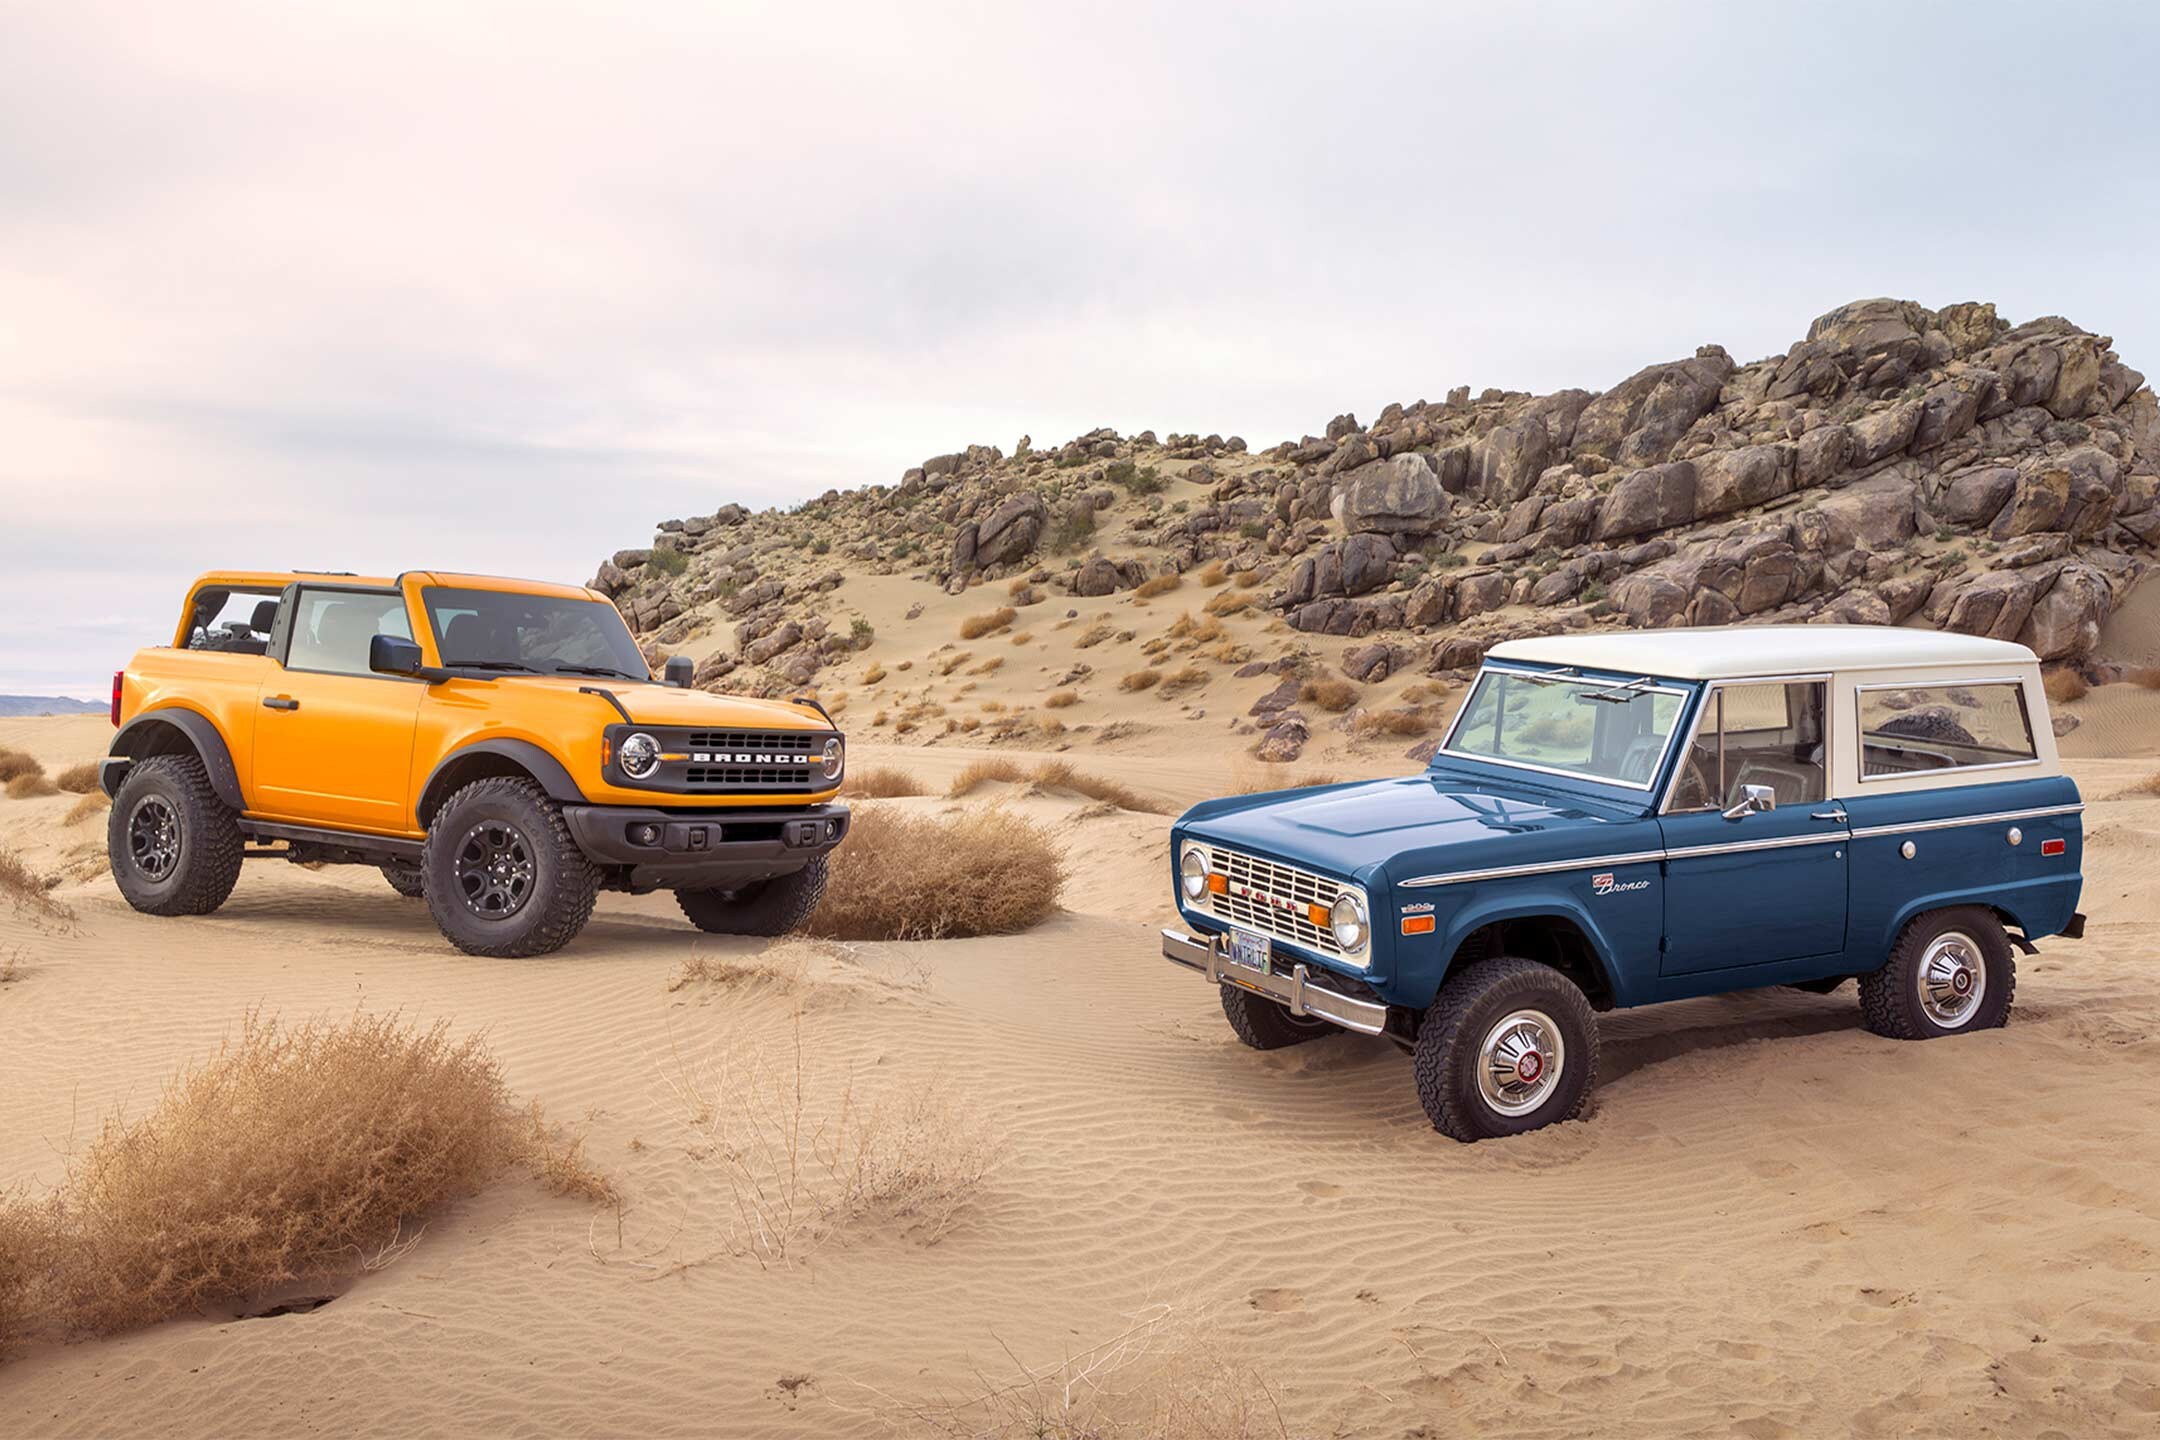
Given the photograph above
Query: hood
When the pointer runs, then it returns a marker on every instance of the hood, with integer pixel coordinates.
(1429, 822)
(651, 703)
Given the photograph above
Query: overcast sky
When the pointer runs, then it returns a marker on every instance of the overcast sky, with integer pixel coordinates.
(377, 286)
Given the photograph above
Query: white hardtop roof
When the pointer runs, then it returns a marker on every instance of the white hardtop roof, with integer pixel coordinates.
(1729, 652)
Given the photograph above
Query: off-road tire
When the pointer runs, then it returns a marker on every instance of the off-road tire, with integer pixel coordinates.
(1890, 1001)
(408, 880)
(776, 906)
(1472, 1002)
(1265, 1025)
(207, 863)
(563, 885)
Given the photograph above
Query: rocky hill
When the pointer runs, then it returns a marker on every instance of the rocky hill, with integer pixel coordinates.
(1899, 465)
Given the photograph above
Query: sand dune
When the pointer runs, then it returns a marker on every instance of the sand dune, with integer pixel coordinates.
(1772, 1223)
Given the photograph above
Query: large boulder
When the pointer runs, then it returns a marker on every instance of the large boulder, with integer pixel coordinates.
(1729, 480)
(2066, 620)
(1974, 495)
(1884, 433)
(1010, 532)
(1995, 604)
(1507, 463)
(1637, 421)
(1103, 576)
(1652, 499)
(1397, 496)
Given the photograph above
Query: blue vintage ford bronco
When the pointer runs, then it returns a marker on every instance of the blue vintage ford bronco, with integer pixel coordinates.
(1620, 819)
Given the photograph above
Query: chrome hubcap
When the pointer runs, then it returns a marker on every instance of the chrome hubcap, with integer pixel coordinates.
(154, 838)
(1952, 980)
(494, 870)
(1521, 1062)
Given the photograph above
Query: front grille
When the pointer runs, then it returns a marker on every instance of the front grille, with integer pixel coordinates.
(751, 777)
(750, 762)
(794, 742)
(1271, 898)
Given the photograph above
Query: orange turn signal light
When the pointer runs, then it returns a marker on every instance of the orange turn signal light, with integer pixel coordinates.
(1417, 924)
(1318, 914)
(1218, 884)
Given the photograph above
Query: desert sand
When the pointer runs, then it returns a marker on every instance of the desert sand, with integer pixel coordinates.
(1771, 1223)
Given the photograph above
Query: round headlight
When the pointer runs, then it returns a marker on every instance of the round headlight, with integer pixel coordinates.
(639, 755)
(1192, 872)
(1347, 919)
(832, 758)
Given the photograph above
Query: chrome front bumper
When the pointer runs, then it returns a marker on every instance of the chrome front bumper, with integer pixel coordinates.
(1292, 991)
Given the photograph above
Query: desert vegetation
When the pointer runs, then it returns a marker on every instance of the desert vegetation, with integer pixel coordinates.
(1408, 720)
(79, 779)
(929, 877)
(1054, 775)
(1140, 680)
(26, 892)
(1160, 585)
(88, 805)
(1059, 699)
(14, 764)
(2064, 685)
(32, 785)
(881, 782)
(294, 1153)
(987, 623)
(1329, 693)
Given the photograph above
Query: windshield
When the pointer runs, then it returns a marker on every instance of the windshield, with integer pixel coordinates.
(501, 629)
(1611, 730)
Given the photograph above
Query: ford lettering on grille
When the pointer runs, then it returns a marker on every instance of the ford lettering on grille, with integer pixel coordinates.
(1273, 898)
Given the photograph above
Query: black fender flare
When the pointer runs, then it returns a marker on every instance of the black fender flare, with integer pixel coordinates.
(525, 755)
(173, 730)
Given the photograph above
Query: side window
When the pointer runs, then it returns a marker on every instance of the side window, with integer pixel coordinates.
(1767, 734)
(332, 628)
(1909, 729)
(235, 621)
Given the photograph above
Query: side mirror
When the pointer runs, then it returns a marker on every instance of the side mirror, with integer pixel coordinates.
(679, 671)
(1754, 800)
(395, 655)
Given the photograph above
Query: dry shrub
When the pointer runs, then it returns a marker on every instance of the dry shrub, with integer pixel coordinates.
(13, 764)
(26, 891)
(2063, 686)
(1160, 585)
(1095, 634)
(78, 779)
(953, 662)
(32, 786)
(1140, 680)
(929, 877)
(1059, 699)
(1247, 579)
(1228, 602)
(1214, 574)
(1016, 586)
(994, 771)
(1058, 775)
(2146, 676)
(1329, 693)
(1186, 677)
(977, 626)
(1257, 784)
(1050, 725)
(2150, 785)
(875, 673)
(1023, 637)
(294, 1153)
(1197, 630)
(1158, 1379)
(91, 804)
(1410, 720)
(881, 782)
(1155, 647)
(989, 666)
(804, 1156)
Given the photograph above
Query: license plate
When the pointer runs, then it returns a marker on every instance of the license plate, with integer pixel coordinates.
(1252, 951)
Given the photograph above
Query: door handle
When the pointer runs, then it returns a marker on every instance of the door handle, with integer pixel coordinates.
(280, 702)
(1826, 815)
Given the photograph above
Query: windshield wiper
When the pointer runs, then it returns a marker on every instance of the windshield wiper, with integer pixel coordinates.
(597, 670)
(493, 665)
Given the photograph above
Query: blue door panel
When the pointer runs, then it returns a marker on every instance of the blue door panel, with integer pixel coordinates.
(1754, 907)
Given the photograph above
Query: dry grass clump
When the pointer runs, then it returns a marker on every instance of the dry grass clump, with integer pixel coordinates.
(930, 877)
(1160, 585)
(989, 622)
(2063, 686)
(2150, 785)
(91, 804)
(881, 782)
(994, 771)
(1257, 784)
(26, 891)
(805, 1157)
(1057, 775)
(1187, 677)
(1247, 579)
(875, 673)
(1228, 602)
(1196, 630)
(1329, 693)
(1410, 720)
(1095, 634)
(1059, 699)
(988, 666)
(1023, 637)
(32, 785)
(78, 779)
(1140, 680)
(14, 764)
(294, 1153)
(1214, 574)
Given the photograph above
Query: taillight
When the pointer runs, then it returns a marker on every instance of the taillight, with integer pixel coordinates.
(116, 696)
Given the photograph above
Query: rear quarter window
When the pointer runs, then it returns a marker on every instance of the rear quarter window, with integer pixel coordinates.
(1916, 729)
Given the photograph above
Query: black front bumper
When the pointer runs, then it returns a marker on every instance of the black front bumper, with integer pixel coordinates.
(717, 850)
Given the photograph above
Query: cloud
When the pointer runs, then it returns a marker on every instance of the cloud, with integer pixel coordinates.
(497, 286)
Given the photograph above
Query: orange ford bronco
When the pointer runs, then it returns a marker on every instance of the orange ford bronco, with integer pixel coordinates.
(499, 747)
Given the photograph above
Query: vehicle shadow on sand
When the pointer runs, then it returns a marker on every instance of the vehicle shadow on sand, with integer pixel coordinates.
(1633, 1040)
